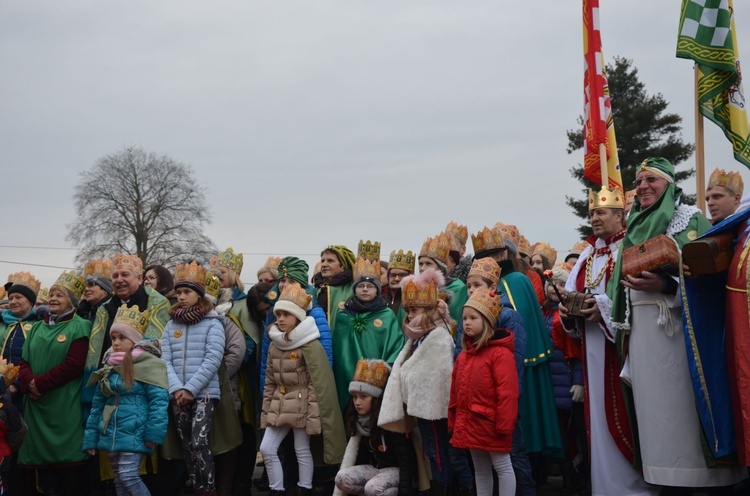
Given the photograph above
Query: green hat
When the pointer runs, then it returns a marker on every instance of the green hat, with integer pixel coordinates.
(660, 166)
(295, 269)
(344, 254)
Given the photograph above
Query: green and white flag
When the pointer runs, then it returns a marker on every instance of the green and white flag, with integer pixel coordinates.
(708, 37)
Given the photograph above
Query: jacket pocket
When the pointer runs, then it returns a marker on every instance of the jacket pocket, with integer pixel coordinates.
(483, 411)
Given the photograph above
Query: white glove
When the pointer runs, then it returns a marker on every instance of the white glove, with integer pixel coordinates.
(577, 392)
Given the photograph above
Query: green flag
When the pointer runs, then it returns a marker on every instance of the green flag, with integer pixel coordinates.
(708, 37)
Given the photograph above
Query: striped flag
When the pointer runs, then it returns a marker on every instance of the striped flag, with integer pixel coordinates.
(707, 36)
(598, 126)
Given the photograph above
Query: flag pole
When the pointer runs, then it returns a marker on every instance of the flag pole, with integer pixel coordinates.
(603, 164)
(700, 159)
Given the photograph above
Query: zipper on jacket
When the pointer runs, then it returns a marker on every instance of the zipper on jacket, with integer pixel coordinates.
(114, 429)
(184, 355)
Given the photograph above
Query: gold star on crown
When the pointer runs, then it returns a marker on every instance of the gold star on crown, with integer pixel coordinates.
(25, 279)
(729, 180)
(401, 260)
(486, 267)
(487, 239)
(213, 285)
(369, 250)
(458, 231)
(373, 372)
(192, 273)
(122, 261)
(545, 250)
(132, 317)
(486, 303)
(229, 259)
(296, 294)
(101, 269)
(437, 248)
(72, 282)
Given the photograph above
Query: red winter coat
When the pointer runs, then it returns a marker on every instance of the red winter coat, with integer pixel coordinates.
(484, 396)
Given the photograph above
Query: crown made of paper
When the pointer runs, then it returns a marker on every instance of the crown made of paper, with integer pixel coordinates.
(296, 294)
(191, 273)
(101, 269)
(419, 294)
(487, 303)
(132, 317)
(25, 279)
(122, 261)
(606, 198)
(366, 269)
(579, 247)
(43, 296)
(369, 250)
(487, 239)
(401, 260)
(458, 231)
(545, 250)
(566, 266)
(4, 293)
(486, 267)
(372, 371)
(437, 248)
(273, 262)
(524, 247)
(213, 285)
(630, 196)
(729, 180)
(9, 371)
(229, 259)
(72, 282)
(509, 232)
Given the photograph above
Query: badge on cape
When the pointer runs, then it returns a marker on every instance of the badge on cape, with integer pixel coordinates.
(377, 323)
(26, 326)
(272, 295)
(692, 235)
(178, 333)
(61, 338)
(341, 305)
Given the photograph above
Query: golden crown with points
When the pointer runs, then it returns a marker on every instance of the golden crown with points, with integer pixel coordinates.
(190, 273)
(368, 250)
(373, 372)
(509, 232)
(524, 246)
(43, 296)
(122, 261)
(9, 372)
(437, 248)
(132, 317)
(487, 303)
(579, 247)
(72, 282)
(101, 269)
(364, 268)
(458, 231)
(294, 293)
(606, 198)
(545, 250)
(566, 266)
(4, 293)
(729, 180)
(486, 267)
(25, 279)
(487, 239)
(414, 294)
(213, 285)
(229, 259)
(272, 262)
(401, 260)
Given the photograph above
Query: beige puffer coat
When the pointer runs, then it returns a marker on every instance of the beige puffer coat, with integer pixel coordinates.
(289, 397)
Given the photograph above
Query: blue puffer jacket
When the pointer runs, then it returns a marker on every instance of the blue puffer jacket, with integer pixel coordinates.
(193, 354)
(561, 373)
(140, 416)
(321, 321)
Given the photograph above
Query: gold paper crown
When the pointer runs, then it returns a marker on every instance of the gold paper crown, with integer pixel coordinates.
(401, 260)
(296, 294)
(414, 294)
(213, 285)
(369, 250)
(25, 279)
(487, 303)
(72, 282)
(729, 180)
(630, 196)
(545, 250)
(365, 268)
(122, 261)
(43, 296)
(486, 267)
(566, 266)
(9, 371)
(191, 273)
(487, 239)
(273, 262)
(438, 247)
(132, 317)
(524, 246)
(4, 294)
(509, 232)
(606, 198)
(579, 247)
(229, 259)
(372, 371)
(460, 232)
(101, 269)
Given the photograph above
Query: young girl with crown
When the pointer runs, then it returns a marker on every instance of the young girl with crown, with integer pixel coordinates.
(421, 374)
(129, 413)
(193, 348)
(299, 393)
(484, 394)
(376, 461)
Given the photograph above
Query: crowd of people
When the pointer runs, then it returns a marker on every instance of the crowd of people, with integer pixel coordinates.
(435, 372)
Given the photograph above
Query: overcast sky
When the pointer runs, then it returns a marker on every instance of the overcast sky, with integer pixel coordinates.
(320, 122)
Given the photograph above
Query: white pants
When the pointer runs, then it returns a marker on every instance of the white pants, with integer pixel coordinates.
(484, 462)
(269, 449)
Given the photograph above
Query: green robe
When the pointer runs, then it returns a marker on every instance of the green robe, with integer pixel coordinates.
(375, 334)
(56, 419)
(337, 296)
(460, 296)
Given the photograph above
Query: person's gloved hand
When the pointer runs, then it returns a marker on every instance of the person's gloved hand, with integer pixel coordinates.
(577, 393)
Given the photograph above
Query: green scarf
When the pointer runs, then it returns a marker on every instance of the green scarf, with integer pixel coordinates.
(147, 368)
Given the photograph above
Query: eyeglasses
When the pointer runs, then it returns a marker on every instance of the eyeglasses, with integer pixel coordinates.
(366, 285)
(649, 179)
(90, 284)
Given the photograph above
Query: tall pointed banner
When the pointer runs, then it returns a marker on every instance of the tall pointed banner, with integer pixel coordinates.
(708, 37)
(599, 125)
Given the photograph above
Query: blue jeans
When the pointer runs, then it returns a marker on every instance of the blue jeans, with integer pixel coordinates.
(126, 468)
(525, 485)
(436, 447)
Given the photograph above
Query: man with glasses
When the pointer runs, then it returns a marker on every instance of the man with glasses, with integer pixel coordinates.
(98, 288)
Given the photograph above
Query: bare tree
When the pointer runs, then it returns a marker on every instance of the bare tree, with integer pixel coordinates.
(137, 202)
